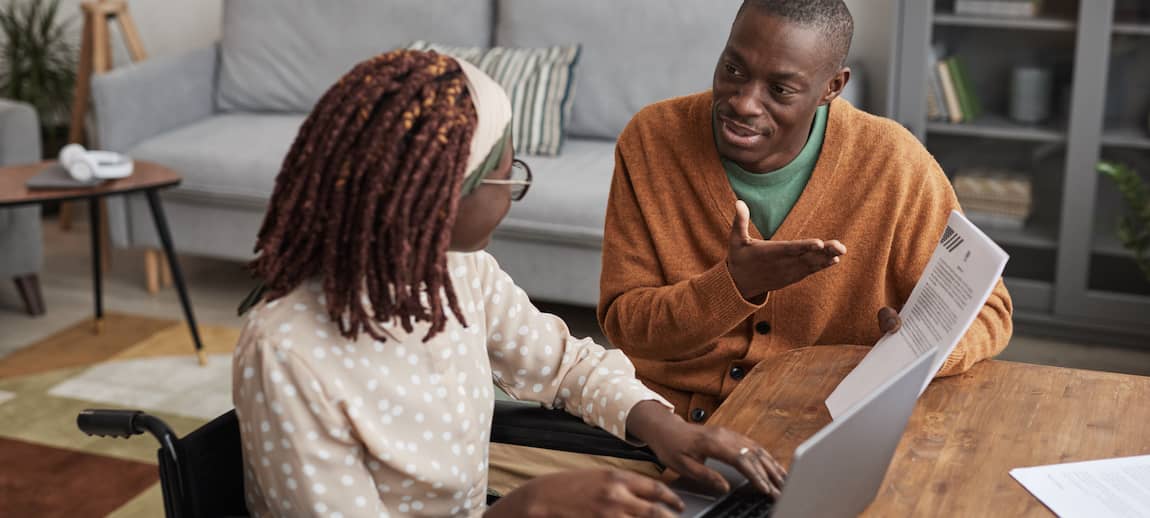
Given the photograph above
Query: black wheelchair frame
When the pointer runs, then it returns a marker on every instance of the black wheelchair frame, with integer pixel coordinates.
(201, 474)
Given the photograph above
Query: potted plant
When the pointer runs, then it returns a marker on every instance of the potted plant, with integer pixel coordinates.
(1134, 227)
(38, 65)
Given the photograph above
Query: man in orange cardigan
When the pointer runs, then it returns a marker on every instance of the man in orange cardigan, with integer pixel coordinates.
(727, 206)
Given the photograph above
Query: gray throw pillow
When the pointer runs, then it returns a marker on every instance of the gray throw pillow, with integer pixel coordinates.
(539, 83)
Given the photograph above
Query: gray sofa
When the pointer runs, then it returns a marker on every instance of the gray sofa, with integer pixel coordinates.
(21, 243)
(225, 116)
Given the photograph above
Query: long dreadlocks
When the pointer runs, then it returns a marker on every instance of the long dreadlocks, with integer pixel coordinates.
(367, 195)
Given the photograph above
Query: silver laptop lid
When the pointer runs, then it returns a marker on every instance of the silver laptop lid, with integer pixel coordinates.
(838, 471)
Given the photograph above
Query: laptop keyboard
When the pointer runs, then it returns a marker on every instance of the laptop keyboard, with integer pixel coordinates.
(744, 502)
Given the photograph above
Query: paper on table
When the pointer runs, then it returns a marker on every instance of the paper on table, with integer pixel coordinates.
(1111, 487)
(957, 280)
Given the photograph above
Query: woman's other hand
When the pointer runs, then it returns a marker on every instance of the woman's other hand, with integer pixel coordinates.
(596, 492)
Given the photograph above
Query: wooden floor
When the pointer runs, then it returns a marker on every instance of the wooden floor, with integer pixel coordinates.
(216, 287)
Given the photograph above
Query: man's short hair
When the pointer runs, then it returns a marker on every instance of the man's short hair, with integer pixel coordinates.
(831, 17)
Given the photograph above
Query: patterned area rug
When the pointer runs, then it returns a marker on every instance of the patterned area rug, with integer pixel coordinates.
(135, 362)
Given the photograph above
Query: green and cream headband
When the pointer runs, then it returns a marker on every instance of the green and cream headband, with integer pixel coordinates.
(493, 127)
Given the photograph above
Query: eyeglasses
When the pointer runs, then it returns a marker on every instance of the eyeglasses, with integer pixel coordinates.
(519, 181)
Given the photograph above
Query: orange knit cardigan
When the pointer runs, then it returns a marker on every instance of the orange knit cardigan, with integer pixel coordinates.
(668, 301)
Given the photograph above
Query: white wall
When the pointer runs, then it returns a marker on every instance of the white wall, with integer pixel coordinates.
(872, 46)
(166, 26)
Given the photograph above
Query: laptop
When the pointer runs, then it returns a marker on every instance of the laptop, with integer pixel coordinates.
(838, 471)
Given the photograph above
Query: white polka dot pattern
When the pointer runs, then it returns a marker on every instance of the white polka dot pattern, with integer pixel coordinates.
(370, 428)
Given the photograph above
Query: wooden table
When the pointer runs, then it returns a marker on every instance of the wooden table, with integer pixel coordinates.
(147, 178)
(966, 432)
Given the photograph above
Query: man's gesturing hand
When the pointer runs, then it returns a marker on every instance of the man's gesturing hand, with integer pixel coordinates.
(759, 266)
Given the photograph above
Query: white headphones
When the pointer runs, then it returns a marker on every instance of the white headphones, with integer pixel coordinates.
(92, 166)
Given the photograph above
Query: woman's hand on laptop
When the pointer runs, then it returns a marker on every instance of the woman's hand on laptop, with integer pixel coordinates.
(685, 447)
(592, 492)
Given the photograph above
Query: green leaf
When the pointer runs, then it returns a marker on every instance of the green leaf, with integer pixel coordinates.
(37, 60)
(1134, 227)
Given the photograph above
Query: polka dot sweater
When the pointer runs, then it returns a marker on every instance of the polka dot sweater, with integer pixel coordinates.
(333, 427)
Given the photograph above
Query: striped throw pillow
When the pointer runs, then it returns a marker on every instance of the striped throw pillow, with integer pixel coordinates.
(539, 83)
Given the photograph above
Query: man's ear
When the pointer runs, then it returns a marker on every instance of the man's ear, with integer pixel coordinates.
(835, 85)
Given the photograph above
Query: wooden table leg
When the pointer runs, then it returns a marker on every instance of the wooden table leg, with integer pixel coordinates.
(174, 265)
(105, 240)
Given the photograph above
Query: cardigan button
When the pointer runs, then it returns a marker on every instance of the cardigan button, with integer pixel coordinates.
(738, 373)
(763, 327)
(698, 414)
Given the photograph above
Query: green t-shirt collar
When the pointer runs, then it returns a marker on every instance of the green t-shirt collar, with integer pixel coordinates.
(804, 161)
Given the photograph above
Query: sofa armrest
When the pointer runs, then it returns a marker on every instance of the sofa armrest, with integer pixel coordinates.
(21, 251)
(526, 424)
(19, 133)
(134, 102)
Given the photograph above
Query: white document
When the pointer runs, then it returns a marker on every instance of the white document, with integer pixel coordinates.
(954, 286)
(1094, 489)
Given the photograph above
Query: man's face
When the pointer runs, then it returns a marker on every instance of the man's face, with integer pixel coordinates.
(770, 79)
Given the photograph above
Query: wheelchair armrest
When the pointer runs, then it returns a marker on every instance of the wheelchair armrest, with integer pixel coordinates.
(123, 423)
(526, 424)
(115, 423)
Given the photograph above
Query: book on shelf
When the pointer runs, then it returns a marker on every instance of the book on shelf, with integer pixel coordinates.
(935, 99)
(949, 93)
(966, 88)
(994, 198)
(933, 107)
(1013, 8)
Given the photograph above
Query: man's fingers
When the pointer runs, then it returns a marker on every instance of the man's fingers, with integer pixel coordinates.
(740, 227)
(834, 248)
(651, 490)
(888, 320)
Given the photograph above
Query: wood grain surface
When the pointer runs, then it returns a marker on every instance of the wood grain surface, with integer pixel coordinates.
(966, 433)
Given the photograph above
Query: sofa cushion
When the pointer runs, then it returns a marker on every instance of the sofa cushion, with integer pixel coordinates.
(232, 156)
(567, 201)
(282, 55)
(635, 52)
(538, 82)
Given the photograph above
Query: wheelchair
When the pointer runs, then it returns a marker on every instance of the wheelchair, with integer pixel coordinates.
(201, 474)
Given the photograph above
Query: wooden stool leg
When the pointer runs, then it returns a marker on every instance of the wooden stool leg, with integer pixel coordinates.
(165, 270)
(101, 61)
(29, 288)
(152, 270)
(83, 85)
(131, 36)
(65, 217)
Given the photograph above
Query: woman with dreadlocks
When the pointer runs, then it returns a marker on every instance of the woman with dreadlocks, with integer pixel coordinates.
(362, 379)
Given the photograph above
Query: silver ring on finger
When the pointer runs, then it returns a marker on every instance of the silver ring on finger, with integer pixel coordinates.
(744, 451)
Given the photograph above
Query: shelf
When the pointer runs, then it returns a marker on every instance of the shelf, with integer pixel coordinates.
(997, 126)
(1031, 236)
(1034, 24)
(1134, 29)
(1105, 242)
(1132, 138)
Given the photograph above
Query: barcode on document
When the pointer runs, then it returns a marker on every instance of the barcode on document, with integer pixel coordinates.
(950, 239)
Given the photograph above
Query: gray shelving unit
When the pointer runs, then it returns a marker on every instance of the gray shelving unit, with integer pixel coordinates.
(1068, 275)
